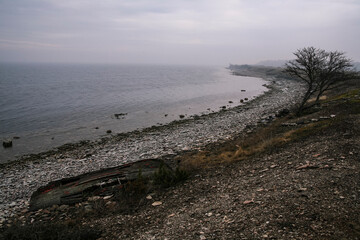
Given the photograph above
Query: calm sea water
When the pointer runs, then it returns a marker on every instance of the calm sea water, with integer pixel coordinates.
(51, 104)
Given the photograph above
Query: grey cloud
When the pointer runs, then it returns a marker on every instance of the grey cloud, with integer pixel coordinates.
(179, 31)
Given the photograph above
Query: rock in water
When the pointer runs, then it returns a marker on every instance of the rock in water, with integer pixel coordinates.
(7, 143)
(120, 115)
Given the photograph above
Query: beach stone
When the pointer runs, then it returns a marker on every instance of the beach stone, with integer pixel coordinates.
(88, 208)
(94, 198)
(125, 148)
(120, 115)
(108, 197)
(7, 144)
(63, 207)
(157, 203)
(282, 112)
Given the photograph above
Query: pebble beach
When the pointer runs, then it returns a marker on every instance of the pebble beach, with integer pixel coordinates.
(20, 179)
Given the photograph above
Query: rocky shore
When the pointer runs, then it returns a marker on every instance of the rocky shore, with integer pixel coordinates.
(21, 179)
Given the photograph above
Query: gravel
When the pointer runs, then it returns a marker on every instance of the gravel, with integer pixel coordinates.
(20, 180)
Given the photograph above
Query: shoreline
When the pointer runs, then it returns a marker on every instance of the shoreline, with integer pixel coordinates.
(106, 138)
(22, 177)
(88, 116)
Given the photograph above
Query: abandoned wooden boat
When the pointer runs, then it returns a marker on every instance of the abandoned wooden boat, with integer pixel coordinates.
(102, 182)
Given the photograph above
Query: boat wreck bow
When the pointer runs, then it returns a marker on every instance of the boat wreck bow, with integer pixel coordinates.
(102, 182)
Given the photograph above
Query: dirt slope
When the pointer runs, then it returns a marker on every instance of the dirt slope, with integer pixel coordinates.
(308, 188)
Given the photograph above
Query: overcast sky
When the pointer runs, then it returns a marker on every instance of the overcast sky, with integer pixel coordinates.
(174, 31)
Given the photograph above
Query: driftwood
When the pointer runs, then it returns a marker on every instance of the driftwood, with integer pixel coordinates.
(103, 182)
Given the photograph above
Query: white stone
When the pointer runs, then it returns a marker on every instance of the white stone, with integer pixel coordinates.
(157, 203)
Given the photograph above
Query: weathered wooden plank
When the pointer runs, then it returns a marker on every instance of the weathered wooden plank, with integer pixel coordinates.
(76, 189)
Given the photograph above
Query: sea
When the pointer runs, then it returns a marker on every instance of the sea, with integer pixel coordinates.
(43, 106)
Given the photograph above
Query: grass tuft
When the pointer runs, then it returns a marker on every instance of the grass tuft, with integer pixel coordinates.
(164, 177)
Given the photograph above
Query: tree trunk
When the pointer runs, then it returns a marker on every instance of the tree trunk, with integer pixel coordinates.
(303, 102)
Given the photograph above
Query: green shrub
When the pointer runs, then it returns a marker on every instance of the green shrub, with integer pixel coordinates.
(138, 186)
(165, 177)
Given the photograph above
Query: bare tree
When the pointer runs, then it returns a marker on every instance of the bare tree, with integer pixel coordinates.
(338, 69)
(320, 70)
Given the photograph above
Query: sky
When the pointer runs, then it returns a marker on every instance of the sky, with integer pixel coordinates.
(195, 32)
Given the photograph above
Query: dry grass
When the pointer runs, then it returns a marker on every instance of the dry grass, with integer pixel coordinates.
(269, 138)
(312, 100)
(235, 150)
(353, 94)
